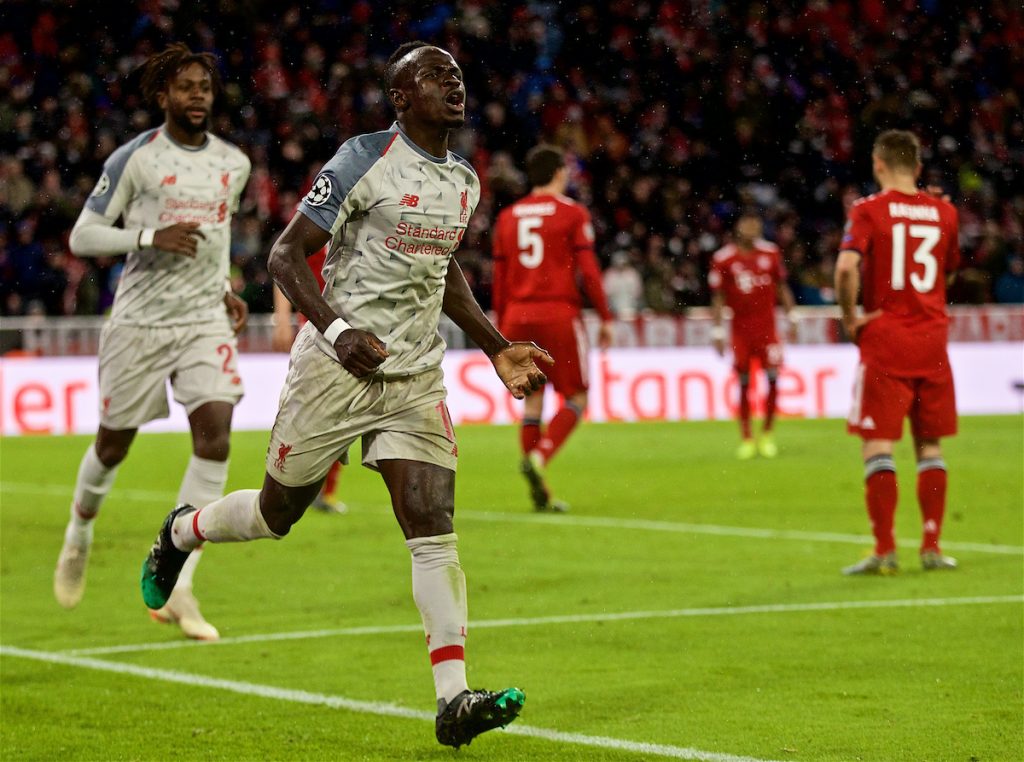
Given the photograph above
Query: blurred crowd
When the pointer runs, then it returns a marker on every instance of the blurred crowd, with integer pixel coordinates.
(675, 114)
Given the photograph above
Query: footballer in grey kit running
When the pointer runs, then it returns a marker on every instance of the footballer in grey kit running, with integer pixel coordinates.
(394, 206)
(175, 189)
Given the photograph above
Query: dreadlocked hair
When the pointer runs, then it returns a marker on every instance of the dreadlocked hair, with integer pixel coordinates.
(391, 68)
(160, 68)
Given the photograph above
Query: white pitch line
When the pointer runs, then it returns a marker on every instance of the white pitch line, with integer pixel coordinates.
(596, 522)
(364, 707)
(771, 608)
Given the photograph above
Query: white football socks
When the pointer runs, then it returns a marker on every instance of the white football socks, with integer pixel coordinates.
(439, 589)
(202, 484)
(236, 517)
(91, 486)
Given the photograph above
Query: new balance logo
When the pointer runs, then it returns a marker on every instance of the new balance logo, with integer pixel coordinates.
(409, 200)
(867, 422)
(169, 180)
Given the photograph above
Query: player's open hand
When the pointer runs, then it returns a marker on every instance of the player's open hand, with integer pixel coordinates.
(360, 352)
(516, 366)
(180, 238)
(238, 312)
(606, 336)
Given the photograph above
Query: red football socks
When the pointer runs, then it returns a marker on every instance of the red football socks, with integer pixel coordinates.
(559, 428)
(881, 493)
(745, 411)
(529, 434)
(931, 496)
(769, 405)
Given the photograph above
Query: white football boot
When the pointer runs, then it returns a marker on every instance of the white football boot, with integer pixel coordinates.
(183, 609)
(69, 576)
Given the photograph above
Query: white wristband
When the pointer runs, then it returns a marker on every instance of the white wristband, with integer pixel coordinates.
(718, 333)
(146, 237)
(334, 330)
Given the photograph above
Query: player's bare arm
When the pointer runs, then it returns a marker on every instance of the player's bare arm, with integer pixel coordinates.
(514, 362)
(359, 352)
(847, 287)
(789, 306)
(238, 311)
(717, 329)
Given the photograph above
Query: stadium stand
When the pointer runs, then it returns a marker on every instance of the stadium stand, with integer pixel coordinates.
(676, 114)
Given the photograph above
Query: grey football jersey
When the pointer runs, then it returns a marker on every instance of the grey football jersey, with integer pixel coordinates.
(155, 182)
(396, 215)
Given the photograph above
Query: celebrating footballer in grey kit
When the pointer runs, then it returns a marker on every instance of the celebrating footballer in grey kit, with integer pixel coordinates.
(394, 205)
(175, 188)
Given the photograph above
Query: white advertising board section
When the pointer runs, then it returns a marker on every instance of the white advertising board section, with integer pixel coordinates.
(59, 395)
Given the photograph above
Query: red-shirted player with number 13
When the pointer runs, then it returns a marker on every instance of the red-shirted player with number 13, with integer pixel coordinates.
(543, 253)
(903, 242)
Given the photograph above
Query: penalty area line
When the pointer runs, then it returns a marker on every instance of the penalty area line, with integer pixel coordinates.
(593, 522)
(382, 709)
(621, 616)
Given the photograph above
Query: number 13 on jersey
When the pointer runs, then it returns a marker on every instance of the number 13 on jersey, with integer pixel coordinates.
(929, 236)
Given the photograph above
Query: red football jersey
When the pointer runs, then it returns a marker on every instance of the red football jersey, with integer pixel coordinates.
(543, 253)
(908, 244)
(749, 281)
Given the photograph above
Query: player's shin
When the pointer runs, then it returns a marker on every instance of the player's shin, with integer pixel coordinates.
(91, 487)
(439, 589)
(529, 434)
(236, 517)
(881, 493)
(202, 484)
(744, 408)
(931, 496)
(770, 401)
(559, 429)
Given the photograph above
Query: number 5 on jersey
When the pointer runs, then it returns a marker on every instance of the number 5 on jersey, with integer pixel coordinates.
(929, 236)
(530, 243)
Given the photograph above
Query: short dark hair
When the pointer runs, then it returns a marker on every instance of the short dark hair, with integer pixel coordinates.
(160, 68)
(542, 162)
(391, 70)
(898, 149)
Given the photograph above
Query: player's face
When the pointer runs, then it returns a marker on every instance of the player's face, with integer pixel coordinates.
(189, 99)
(435, 93)
(748, 229)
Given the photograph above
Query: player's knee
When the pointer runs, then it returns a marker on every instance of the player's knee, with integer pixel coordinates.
(213, 446)
(111, 454)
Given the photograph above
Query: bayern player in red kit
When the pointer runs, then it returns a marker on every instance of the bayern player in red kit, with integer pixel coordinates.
(747, 276)
(903, 243)
(543, 253)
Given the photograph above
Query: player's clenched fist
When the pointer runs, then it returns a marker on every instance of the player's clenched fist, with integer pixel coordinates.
(360, 352)
(516, 366)
(180, 238)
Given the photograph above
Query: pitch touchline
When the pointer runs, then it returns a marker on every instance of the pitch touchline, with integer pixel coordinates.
(363, 707)
(597, 522)
(771, 608)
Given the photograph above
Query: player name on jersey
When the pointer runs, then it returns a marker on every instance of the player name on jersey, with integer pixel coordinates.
(913, 211)
(534, 210)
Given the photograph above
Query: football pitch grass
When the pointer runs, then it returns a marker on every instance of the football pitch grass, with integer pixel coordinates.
(690, 606)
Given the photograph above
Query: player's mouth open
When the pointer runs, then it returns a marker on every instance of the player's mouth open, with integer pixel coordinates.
(456, 100)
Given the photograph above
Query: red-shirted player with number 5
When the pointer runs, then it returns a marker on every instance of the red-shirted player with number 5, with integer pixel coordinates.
(903, 242)
(543, 253)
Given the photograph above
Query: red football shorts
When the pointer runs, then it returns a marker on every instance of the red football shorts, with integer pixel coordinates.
(566, 341)
(881, 402)
(766, 350)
